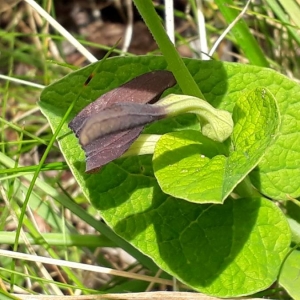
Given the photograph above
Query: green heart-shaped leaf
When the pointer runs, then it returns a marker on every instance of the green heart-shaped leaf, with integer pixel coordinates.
(191, 167)
(289, 275)
(224, 250)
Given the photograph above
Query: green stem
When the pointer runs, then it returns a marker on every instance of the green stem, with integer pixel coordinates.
(245, 189)
(216, 124)
(175, 62)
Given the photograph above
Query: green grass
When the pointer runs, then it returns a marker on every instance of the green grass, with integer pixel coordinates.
(43, 211)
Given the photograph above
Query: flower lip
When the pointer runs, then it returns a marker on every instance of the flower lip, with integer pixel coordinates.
(118, 118)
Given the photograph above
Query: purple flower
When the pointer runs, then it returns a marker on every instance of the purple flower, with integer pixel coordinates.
(107, 127)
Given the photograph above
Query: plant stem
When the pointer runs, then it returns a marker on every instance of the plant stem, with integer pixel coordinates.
(175, 62)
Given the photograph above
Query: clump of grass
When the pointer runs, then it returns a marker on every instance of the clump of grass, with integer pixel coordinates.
(57, 222)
